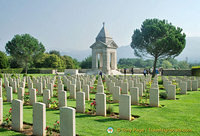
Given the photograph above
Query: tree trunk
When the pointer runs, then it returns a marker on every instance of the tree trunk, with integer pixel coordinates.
(154, 67)
(26, 66)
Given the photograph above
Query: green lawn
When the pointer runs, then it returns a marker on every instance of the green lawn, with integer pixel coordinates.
(181, 114)
(5, 132)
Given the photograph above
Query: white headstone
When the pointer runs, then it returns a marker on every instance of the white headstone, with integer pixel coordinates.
(100, 89)
(46, 97)
(101, 104)
(1, 95)
(62, 99)
(73, 91)
(1, 110)
(140, 87)
(116, 93)
(154, 97)
(194, 85)
(50, 87)
(171, 93)
(33, 97)
(183, 87)
(189, 85)
(17, 115)
(21, 94)
(86, 89)
(125, 106)
(80, 102)
(67, 121)
(39, 119)
(9, 94)
(124, 88)
(134, 92)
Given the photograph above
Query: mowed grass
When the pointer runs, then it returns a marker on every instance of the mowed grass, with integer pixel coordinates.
(176, 115)
(5, 132)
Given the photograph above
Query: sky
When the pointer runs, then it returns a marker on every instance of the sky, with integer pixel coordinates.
(67, 25)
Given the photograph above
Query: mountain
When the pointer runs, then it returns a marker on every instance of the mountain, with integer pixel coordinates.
(190, 53)
(78, 54)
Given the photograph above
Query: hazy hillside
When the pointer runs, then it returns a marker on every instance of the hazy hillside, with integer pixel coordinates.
(191, 51)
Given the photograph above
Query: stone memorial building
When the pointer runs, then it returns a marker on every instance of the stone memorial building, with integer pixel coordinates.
(104, 53)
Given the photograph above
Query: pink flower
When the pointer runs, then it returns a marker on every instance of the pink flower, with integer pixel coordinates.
(58, 122)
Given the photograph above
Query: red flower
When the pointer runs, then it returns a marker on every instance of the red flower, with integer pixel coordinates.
(92, 104)
(36, 90)
(10, 108)
(47, 127)
(54, 86)
(6, 118)
(58, 122)
(91, 87)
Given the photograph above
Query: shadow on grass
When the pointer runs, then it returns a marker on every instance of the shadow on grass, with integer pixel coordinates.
(28, 107)
(83, 116)
(52, 109)
(5, 130)
(6, 103)
(140, 107)
(107, 120)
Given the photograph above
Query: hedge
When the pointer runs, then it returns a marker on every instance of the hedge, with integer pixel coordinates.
(30, 70)
(196, 70)
(12, 70)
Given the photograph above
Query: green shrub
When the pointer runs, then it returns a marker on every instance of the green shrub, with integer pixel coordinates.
(3, 60)
(60, 70)
(163, 95)
(160, 82)
(13, 76)
(12, 70)
(196, 71)
(31, 76)
(24, 75)
(110, 109)
(1, 76)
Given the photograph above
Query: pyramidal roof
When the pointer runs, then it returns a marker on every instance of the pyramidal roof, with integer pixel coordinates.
(103, 35)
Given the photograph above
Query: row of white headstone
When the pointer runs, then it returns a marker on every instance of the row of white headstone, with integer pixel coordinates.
(67, 118)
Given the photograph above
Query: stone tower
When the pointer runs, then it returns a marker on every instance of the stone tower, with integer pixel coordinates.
(104, 53)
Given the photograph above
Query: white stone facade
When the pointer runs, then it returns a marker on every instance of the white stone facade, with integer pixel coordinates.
(104, 51)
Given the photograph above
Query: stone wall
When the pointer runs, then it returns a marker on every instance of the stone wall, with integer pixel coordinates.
(136, 70)
(177, 73)
(47, 71)
(83, 70)
(71, 71)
